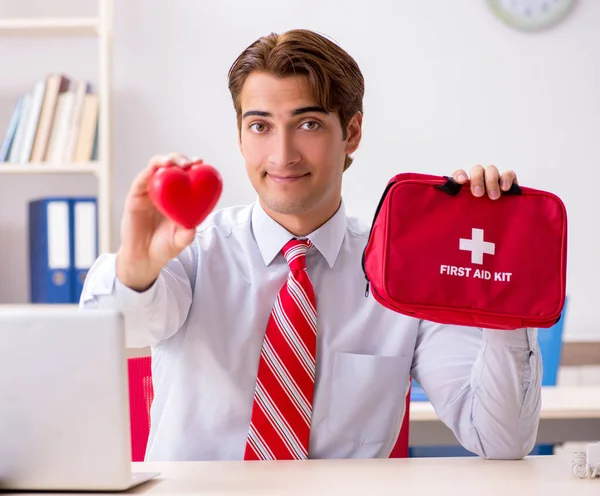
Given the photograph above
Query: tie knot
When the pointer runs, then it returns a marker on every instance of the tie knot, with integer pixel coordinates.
(294, 252)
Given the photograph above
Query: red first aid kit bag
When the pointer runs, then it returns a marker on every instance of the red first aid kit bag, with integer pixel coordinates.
(436, 252)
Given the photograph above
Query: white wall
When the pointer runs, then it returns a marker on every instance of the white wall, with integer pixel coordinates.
(447, 86)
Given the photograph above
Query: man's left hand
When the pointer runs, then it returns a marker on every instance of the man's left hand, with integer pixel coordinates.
(487, 179)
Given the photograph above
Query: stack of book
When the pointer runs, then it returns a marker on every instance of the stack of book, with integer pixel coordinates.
(55, 123)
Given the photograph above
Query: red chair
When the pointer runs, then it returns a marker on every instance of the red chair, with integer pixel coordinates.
(141, 394)
(400, 449)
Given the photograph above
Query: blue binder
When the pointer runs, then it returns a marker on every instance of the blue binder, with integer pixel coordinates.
(50, 254)
(84, 239)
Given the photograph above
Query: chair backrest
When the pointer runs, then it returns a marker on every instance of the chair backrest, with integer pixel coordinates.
(550, 341)
(400, 449)
(141, 394)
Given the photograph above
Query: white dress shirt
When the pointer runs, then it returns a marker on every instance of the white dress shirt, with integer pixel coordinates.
(206, 315)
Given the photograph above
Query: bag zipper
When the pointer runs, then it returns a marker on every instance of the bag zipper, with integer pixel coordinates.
(514, 190)
(381, 200)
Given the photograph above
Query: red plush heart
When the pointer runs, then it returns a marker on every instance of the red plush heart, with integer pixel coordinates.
(186, 195)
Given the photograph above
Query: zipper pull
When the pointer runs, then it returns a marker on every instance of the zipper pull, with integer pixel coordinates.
(367, 289)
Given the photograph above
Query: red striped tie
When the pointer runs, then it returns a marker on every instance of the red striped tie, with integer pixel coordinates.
(282, 409)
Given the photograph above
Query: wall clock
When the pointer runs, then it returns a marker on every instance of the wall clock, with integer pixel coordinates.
(531, 15)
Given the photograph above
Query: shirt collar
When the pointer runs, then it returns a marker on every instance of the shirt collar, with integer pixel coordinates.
(271, 236)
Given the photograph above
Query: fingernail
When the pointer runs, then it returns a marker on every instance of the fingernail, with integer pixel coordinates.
(494, 195)
(181, 160)
(478, 191)
(505, 184)
(462, 177)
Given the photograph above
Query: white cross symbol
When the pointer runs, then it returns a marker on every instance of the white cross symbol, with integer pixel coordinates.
(477, 246)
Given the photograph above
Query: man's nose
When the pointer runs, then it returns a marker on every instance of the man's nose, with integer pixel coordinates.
(284, 151)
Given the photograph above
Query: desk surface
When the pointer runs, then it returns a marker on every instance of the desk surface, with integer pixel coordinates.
(548, 475)
(559, 402)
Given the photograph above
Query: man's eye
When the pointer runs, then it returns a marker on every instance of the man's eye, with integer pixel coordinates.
(311, 125)
(258, 127)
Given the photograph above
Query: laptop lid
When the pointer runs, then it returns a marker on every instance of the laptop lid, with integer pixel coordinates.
(64, 420)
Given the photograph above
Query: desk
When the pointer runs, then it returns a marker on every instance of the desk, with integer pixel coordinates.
(569, 413)
(548, 476)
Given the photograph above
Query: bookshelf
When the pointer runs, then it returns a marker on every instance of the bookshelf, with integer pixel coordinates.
(50, 27)
(101, 28)
(46, 306)
(45, 168)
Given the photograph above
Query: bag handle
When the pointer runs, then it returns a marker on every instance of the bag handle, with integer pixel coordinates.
(452, 188)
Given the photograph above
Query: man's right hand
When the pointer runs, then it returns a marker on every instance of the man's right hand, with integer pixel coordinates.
(148, 239)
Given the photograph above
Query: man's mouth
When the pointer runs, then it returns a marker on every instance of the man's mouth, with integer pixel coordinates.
(287, 178)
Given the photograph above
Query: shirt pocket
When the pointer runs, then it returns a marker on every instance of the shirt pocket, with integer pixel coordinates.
(367, 396)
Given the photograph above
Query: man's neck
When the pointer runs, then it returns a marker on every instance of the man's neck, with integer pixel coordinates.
(303, 224)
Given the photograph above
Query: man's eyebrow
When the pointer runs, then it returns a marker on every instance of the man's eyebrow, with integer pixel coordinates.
(298, 111)
(304, 110)
(258, 113)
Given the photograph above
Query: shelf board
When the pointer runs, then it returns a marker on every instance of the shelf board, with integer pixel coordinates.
(53, 26)
(48, 168)
(32, 306)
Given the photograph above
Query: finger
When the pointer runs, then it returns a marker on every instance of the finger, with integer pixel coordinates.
(173, 158)
(178, 159)
(139, 186)
(492, 182)
(183, 237)
(460, 176)
(156, 161)
(477, 181)
(507, 179)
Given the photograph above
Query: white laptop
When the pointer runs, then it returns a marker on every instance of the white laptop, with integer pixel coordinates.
(64, 405)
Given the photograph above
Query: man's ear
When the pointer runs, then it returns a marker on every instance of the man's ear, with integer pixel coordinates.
(354, 133)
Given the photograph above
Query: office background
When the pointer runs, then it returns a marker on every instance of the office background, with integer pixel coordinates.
(447, 85)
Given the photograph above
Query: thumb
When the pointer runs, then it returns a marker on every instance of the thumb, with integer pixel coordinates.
(183, 237)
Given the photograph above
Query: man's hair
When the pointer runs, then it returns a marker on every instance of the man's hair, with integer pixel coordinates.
(334, 76)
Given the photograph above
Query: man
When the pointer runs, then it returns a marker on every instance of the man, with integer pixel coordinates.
(264, 343)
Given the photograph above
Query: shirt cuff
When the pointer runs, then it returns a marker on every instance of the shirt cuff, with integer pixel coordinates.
(136, 299)
(519, 338)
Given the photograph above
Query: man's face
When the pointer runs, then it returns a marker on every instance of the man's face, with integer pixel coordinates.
(294, 150)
